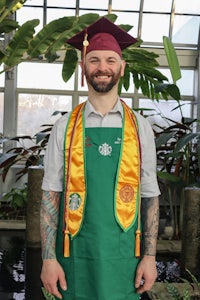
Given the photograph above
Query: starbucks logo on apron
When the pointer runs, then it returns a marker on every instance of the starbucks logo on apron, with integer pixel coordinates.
(126, 193)
(105, 149)
(74, 201)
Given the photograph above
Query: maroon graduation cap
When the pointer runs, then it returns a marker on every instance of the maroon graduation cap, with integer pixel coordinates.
(101, 35)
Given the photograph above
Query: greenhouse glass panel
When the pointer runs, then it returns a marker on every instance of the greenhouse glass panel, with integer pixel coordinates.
(185, 29)
(86, 11)
(34, 2)
(158, 112)
(2, 78)
(186, 83)
(128, 18)
(127, 5)
(53, 13)
(42, 76)
(187, 7)
(154, 27)
(42, 107)
(61, 3)
(157, 5)
(29, 13)
(103, 4)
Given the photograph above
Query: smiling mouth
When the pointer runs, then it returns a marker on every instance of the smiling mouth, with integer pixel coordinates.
(102, 76)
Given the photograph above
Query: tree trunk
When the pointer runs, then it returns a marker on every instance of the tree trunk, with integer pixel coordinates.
(35, 175)
(190, 254)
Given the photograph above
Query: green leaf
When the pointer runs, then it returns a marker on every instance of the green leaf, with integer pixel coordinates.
(136, 79)
(126, 27)
(47, 295)
(171, 89)
(87, 19)
(69, 65)
(168, 176)
(111, 17)
(2, 5)
(173, 291)
(51, 56)
(164, 138)
(126, 78)
(82, 22)
(49, 35)
(8, 25)
(174, 91)
(19, 44)
(7, 158)
(120, 86)
(58, 44)
(185, 140)
(172, 59)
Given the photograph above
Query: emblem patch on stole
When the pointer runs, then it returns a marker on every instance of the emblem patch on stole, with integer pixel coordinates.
(74, 201)
(126, 193)
(105, 149)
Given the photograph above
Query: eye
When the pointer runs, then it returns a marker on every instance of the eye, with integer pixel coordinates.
(111, 60)
(94, 60)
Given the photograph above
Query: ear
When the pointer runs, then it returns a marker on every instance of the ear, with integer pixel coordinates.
(123, 64)
(81, 64)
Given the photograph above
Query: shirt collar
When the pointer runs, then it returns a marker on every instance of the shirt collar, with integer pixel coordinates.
(89, 109)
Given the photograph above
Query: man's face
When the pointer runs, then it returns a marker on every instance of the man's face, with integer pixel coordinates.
(103, 70)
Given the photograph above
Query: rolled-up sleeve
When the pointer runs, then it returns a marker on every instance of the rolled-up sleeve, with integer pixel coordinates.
(54, 157)
(149, 183)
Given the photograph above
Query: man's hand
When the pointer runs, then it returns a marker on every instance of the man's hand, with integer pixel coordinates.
(146, 274)
(51, 274)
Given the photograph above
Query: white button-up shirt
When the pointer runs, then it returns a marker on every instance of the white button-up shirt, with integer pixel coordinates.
(54, 156)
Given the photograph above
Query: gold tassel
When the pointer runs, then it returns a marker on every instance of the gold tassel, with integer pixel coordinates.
(137, 243)
(66, 245)
(85, 44)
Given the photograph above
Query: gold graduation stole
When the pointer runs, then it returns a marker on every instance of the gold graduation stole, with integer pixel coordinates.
(127, 187)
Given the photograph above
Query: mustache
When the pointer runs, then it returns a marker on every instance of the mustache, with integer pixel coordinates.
(102, 73)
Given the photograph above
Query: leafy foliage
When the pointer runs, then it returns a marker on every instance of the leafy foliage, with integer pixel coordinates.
(175, 294)
(178, 157)
(50, 42)
(17, 197)
(19, 44)
(13, 203)
(172, 59)
(23, 155)
(178, 151)
(47, 295)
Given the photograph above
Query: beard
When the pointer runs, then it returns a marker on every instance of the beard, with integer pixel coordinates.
(103, 86)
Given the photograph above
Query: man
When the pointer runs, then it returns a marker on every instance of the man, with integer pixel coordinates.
(91, 217)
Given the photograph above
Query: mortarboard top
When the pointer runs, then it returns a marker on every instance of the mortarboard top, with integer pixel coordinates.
(102, 35)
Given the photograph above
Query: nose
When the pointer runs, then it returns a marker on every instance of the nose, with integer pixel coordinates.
(102, 66)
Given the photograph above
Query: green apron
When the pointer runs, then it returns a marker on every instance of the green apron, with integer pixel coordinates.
(102, 263)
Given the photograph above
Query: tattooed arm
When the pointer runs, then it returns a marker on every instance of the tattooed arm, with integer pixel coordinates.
(52, 272)
(150, 220)
(147, 267)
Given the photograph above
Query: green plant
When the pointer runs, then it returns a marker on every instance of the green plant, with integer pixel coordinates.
(178, 151)
(178, 155)
(25, 155)
(13, 203)
(47, 295)
(188, 290)
(50, 42)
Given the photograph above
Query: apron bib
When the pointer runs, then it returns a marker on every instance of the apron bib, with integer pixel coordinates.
(102, 260)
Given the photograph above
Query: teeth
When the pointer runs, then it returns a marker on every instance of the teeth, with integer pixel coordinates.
(103, 77)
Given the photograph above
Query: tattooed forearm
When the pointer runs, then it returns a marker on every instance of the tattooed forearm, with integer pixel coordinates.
(150, 221)
(48, 223)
